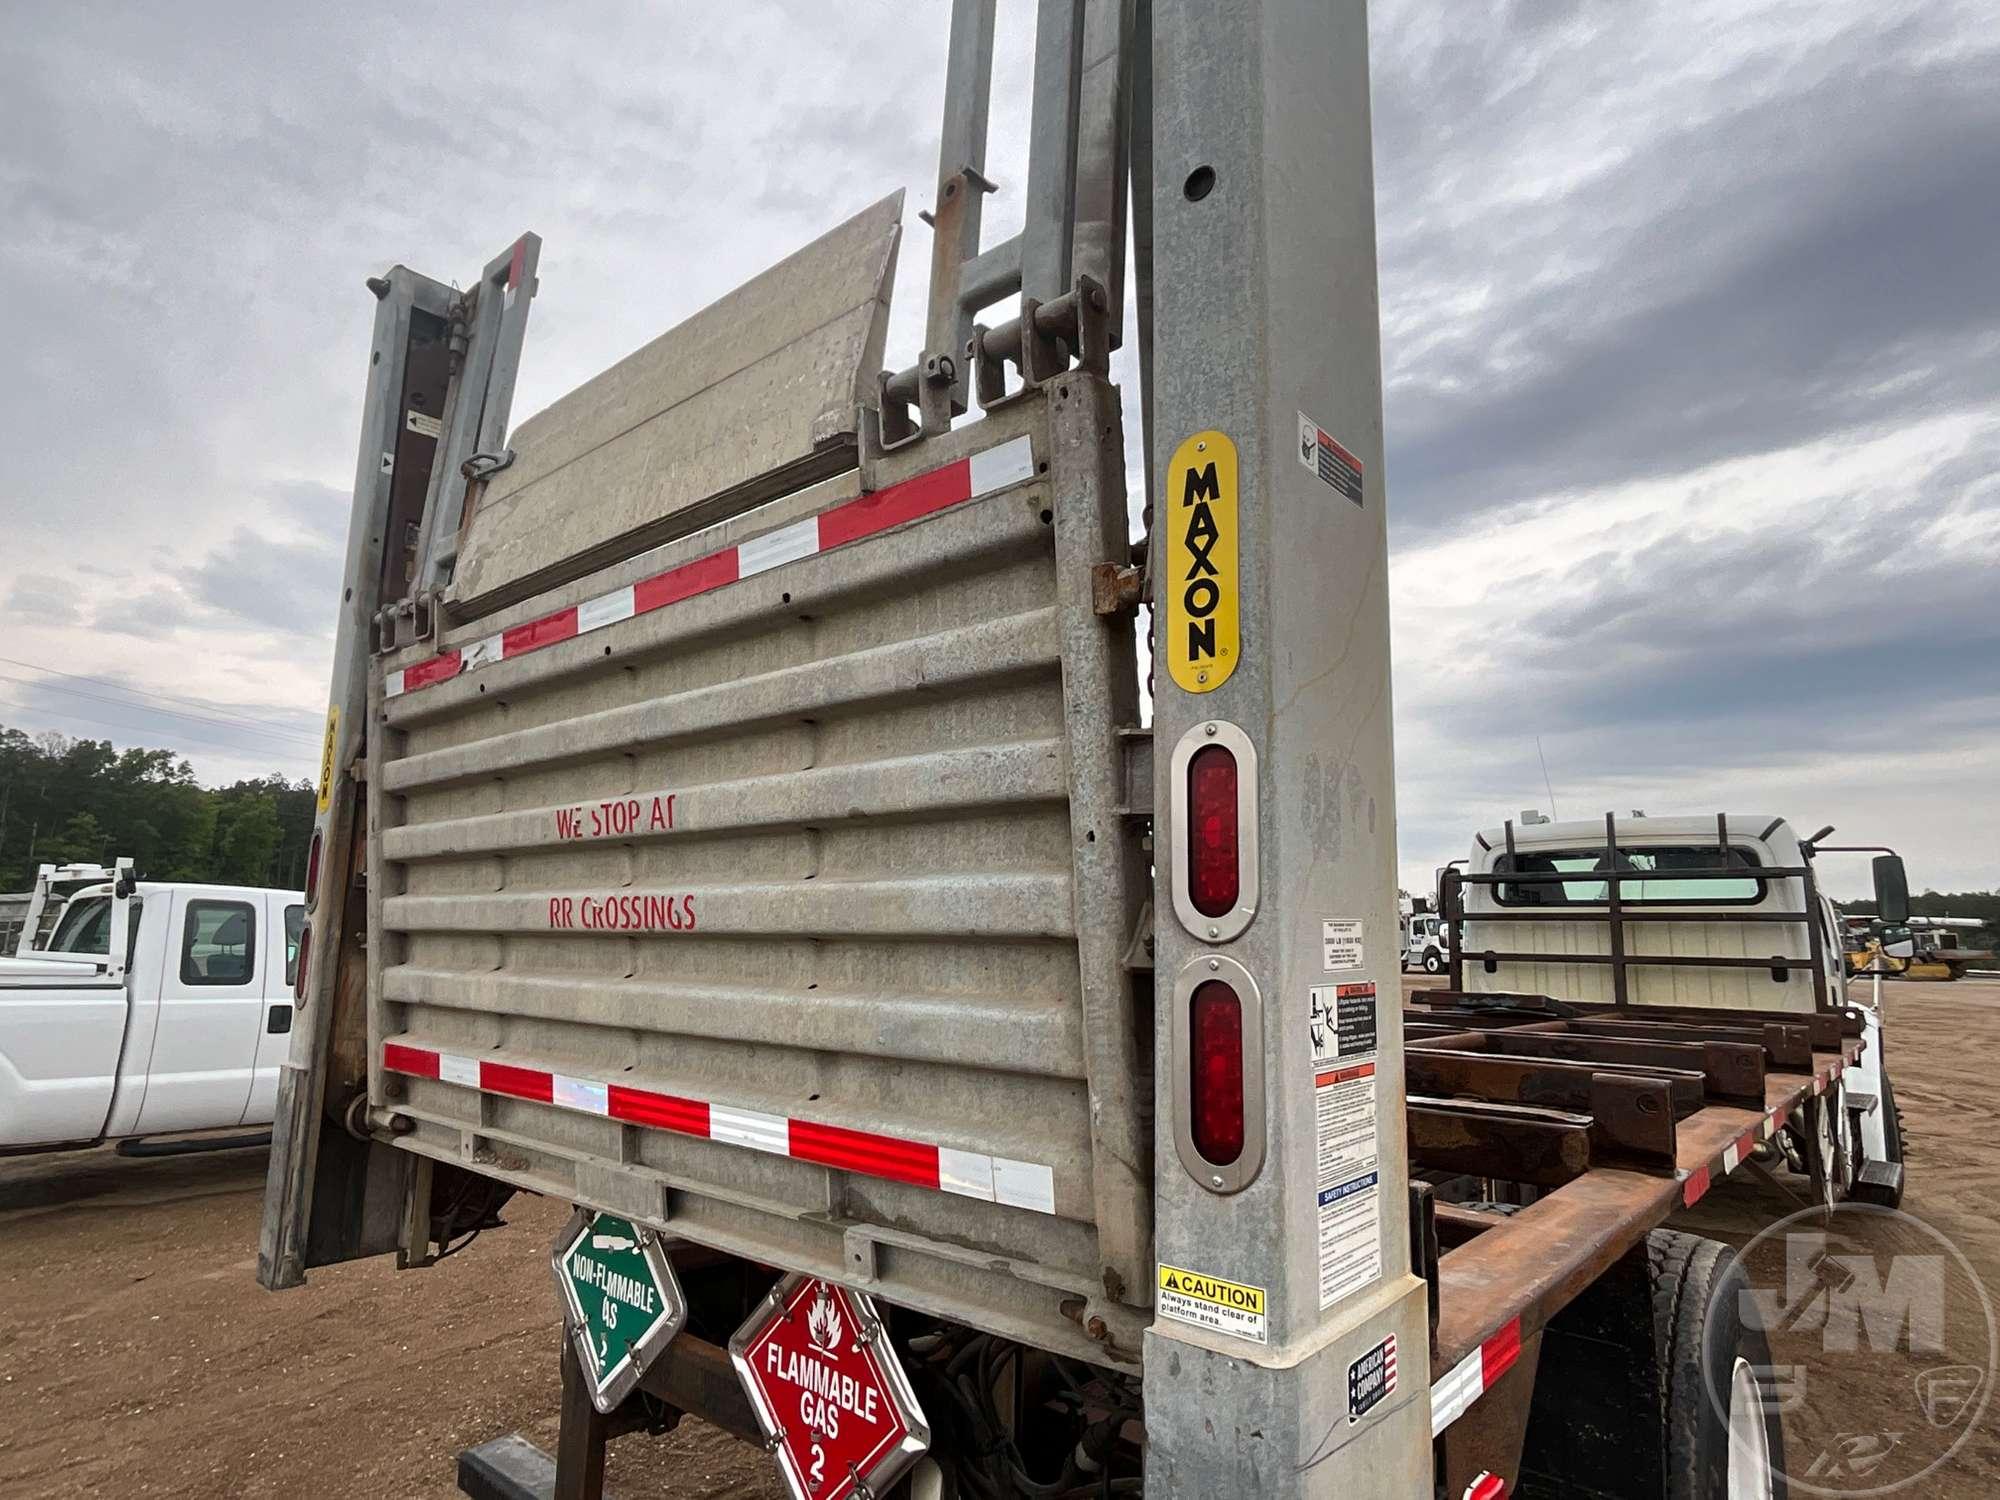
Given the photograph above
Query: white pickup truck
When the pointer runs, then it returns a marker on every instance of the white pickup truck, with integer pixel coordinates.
(177, 1025)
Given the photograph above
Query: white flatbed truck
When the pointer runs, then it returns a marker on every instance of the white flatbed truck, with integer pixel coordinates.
(738, 823)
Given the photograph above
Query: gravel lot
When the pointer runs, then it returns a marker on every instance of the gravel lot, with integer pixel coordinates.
(139, 1357)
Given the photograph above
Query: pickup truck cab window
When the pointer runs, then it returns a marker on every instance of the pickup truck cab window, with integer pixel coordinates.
(1661, 891)
(86, 928)
(219, 943)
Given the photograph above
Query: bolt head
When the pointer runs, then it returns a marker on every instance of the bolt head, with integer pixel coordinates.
(1214, 931)
(1208, 729)
(1215, 1182)
(1215, 963)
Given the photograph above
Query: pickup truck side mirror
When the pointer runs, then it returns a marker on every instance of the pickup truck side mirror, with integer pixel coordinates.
(1903, 948)
(1892, 891)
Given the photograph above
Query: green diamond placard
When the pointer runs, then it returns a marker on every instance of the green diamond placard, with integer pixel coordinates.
(620, 1298)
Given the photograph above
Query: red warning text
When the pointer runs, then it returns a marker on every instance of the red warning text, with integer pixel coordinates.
(617, 817)
(623, 913)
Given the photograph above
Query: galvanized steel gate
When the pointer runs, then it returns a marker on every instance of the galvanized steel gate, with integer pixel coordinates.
(777, 895)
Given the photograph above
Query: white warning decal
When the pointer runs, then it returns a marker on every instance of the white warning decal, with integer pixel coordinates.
(1349, 1181)
(1340, 943)
(1341, 1023)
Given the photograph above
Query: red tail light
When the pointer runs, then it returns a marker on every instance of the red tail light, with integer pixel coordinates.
(312, 871)
(299, 972)
(1215, 867)
(1215, 1031)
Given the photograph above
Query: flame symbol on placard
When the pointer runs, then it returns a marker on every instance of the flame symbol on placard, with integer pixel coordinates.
(823, 1322)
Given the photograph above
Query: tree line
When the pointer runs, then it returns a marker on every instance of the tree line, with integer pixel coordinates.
(72, 801)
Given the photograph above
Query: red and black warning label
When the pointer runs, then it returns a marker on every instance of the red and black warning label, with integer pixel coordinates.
(1335, 465)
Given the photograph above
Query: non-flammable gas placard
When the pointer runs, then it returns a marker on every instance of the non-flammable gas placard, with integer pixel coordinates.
(623, 1304)
(1212, 1303)
(1202, 530)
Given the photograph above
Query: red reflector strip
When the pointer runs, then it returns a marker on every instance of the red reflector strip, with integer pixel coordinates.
(536, 634)
(1487, 1487)
(418, 1062)
(661, 1111)
(684, 582)
(967, 1174)
(1694, 1187)
(925, 495)
(520, 1083)
(866, 1152)
(1452, 1395)
(982, 474)
(1497, 1354)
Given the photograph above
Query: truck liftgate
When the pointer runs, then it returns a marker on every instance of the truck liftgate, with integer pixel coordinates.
(737, 821)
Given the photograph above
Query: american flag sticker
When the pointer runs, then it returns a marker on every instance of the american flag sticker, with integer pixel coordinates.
(1371, 1379)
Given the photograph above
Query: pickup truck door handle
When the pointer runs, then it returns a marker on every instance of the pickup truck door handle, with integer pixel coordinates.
(279, 1021)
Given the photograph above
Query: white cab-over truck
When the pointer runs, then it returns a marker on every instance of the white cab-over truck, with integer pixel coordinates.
(737, 822)
(1710, 914)
(153, 1008)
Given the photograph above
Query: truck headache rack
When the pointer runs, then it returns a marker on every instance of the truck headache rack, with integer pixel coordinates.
(1613, 914)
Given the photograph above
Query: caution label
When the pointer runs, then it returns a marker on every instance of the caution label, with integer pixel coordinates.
(1202, 533)
(1212, 1303)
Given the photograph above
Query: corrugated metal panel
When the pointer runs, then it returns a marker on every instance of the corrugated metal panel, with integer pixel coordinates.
(778, 914)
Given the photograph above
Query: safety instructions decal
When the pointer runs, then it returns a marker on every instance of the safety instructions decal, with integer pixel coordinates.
(1348, 1164)
(1334, 465)
(1341, 1022)
(1212, 1303)
(1340, 940)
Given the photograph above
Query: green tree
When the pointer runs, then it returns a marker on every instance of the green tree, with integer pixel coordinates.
(246, 846)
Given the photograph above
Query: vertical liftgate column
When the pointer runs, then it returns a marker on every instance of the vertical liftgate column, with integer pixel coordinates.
(1289, 1356)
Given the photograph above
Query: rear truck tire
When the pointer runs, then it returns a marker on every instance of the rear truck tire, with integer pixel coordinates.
(1652, 1386)
(1722, 1435)
(1433, 962)
(1882, 1195)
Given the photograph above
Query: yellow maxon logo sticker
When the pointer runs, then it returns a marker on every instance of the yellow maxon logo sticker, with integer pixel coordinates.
(326, 755)
(1201, 528)
(1210, 1302)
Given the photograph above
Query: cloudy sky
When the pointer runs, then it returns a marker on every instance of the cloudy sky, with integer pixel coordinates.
(1692, 344)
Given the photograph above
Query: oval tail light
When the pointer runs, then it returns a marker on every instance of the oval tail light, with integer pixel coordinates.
(312, 870)
(1215, 855)
(1215, 1092)
(299, 970)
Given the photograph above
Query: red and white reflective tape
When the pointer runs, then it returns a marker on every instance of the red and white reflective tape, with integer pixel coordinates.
(982, 474)
(1695, 1186)
(1487, 1486)
(969, 1174)
(516, 264)
(1473, 1376)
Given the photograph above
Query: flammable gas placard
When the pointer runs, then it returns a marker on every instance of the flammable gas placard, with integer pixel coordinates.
(1212, 1303)
(1202, 527)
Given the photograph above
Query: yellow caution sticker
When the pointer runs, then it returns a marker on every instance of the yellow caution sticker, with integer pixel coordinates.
(1209, 1302)
(1202, 532)
(326, 754)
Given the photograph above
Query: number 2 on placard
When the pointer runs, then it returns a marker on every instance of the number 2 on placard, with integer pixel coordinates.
(819, 1465)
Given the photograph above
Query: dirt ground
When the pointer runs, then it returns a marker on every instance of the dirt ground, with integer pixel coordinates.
(139, 1357)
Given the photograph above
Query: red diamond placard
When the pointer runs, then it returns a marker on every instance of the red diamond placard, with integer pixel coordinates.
(829, 1391)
